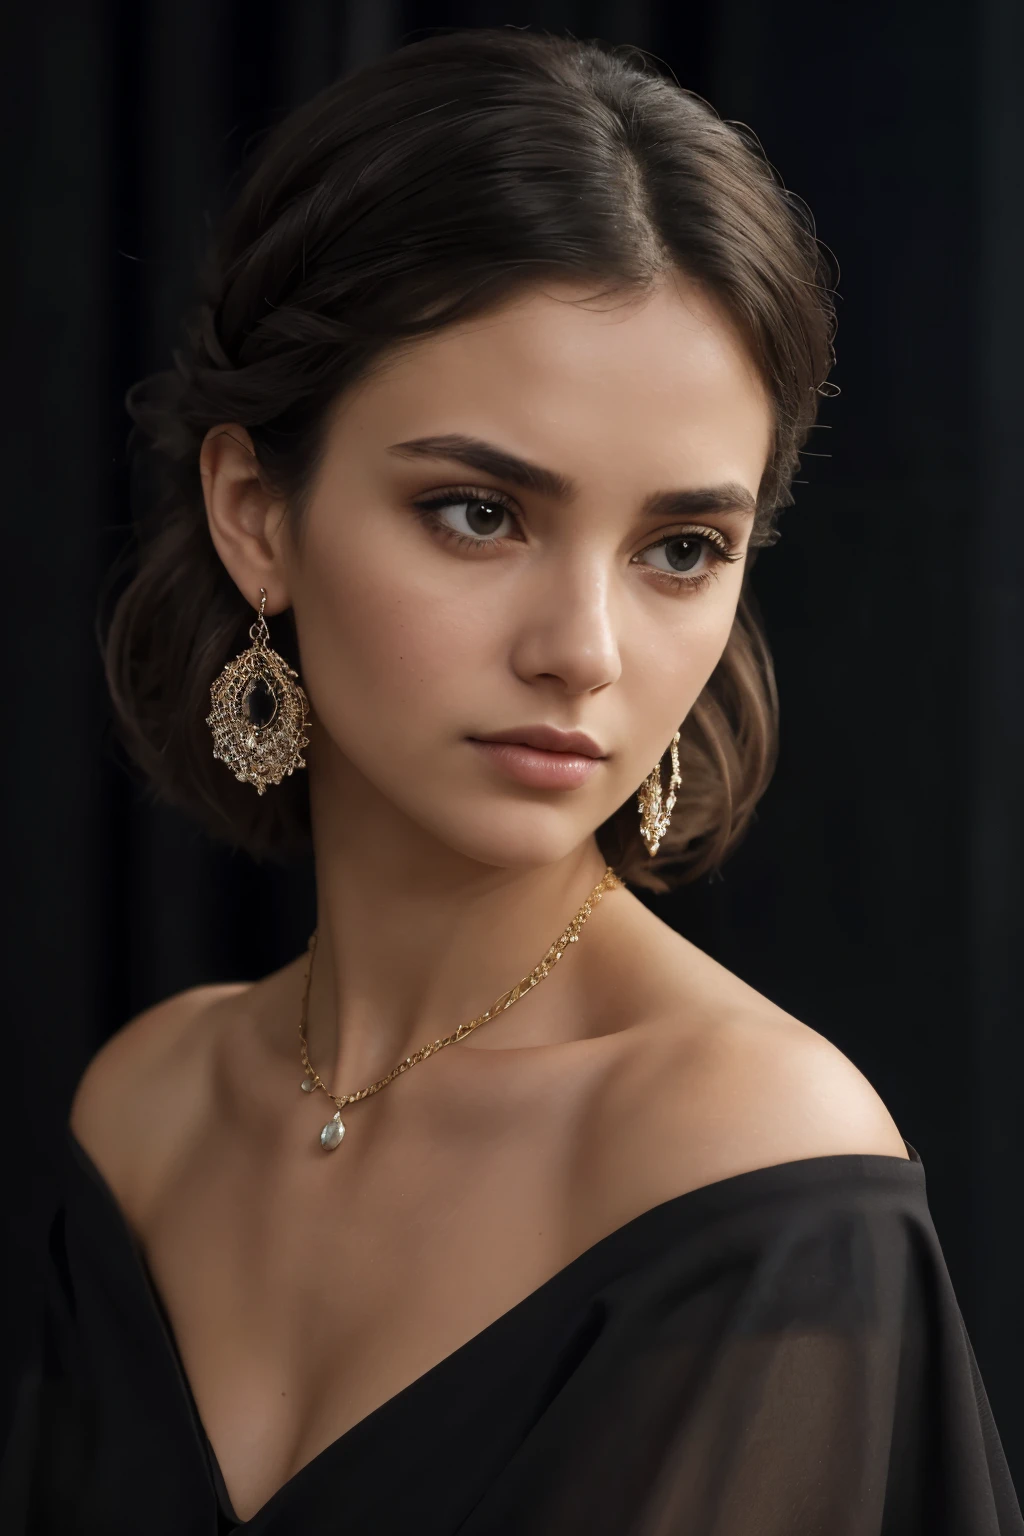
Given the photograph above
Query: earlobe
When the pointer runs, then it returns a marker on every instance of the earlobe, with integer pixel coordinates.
(242, 514)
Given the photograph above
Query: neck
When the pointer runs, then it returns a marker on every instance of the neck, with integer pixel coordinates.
(414, 938)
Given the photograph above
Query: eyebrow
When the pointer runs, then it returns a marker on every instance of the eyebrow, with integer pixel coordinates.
(489, 459)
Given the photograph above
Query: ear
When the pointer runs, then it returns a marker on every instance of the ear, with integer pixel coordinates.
(245, 519)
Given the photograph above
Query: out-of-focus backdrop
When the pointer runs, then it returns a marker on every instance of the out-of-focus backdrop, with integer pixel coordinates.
(877, 897)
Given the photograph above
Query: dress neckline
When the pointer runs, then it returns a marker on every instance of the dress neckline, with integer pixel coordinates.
(636, 1232)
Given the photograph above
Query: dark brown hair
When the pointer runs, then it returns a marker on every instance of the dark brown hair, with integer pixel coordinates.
(414, 193)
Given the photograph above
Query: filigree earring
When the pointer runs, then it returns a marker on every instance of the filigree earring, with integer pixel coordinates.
(654, 816)
(259, 713)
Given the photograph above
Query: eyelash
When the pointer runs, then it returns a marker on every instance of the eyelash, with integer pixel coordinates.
(716, 543)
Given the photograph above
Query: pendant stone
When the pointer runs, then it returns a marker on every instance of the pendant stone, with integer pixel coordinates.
(308, 1085)
(259, 702)
(333, 1131)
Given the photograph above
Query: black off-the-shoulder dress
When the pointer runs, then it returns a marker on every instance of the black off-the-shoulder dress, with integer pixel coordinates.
(779, 1353)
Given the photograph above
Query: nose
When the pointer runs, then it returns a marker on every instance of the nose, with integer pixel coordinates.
(567, 631)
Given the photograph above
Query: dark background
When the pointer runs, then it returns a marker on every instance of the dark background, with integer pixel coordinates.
(876, 898)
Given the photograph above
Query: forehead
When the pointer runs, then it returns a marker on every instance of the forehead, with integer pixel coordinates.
(661, 384)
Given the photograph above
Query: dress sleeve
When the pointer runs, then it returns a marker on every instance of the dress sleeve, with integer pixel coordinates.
(799, 1367)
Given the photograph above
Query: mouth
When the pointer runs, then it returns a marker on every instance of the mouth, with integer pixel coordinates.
(541, 756)
(546, 738)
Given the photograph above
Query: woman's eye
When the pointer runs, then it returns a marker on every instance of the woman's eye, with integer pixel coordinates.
(681, 555)
(689, 558)
(484, 520)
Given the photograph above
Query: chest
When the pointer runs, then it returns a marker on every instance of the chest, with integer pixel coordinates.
(305, 1289)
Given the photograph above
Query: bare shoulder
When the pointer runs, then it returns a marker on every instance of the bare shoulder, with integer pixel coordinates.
(796, 1091)
(144, 1087)
(719, 1081)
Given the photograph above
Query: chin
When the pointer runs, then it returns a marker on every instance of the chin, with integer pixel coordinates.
(512, 837)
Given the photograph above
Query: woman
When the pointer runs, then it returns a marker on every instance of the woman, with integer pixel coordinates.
(506, 354)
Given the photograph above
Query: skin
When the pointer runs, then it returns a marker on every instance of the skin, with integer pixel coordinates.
(640, 1068)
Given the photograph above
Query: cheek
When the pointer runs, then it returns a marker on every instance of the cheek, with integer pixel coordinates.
(669, 679)
(679, 663)
(388, 647)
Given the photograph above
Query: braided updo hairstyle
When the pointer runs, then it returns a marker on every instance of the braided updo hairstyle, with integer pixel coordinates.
(417, 192)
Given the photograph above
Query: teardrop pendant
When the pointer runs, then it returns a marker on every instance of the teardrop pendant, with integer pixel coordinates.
(333, 1131)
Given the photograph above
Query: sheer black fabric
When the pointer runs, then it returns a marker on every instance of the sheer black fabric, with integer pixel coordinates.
(776, 1354)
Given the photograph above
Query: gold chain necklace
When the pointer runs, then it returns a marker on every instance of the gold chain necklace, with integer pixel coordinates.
(334, 1130)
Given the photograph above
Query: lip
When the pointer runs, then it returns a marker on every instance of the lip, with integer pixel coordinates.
(547, 738)
(541, 756)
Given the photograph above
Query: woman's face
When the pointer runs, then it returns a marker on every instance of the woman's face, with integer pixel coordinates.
(536, 518)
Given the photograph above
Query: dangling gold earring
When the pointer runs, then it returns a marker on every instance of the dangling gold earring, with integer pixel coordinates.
(259, 714)
(655, 817)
